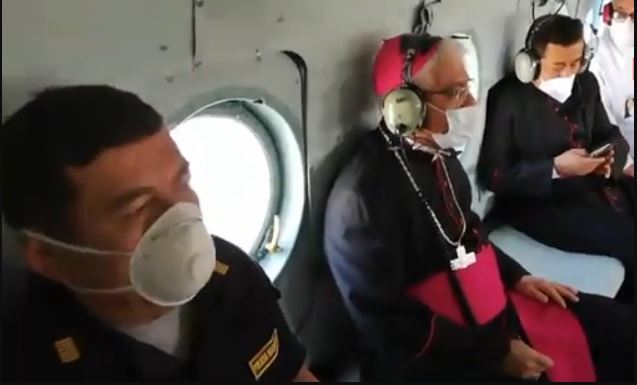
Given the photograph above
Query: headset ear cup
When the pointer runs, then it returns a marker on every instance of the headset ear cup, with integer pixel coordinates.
(404, 110)
(527, 67)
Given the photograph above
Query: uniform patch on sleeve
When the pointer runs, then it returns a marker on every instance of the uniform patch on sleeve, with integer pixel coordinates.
(260, 363)
(221, 268)
(67, 350)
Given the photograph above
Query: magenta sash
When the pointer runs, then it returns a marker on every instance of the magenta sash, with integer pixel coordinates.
(551, 330)
(557, 333)
(476, 280)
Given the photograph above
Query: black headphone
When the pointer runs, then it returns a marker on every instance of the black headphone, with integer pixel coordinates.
(528, 62)
(404, 108)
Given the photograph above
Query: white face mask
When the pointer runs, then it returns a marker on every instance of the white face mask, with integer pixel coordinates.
(559, 89)
(462, 126)
(622, 32)
(173, 260)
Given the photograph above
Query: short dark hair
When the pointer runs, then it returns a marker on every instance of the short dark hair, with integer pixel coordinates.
(63, 127)
(557, 29)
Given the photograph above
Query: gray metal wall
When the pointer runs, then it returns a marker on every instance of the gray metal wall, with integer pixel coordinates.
(135, 43)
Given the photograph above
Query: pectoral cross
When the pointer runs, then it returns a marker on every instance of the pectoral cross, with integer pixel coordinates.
(464, 259)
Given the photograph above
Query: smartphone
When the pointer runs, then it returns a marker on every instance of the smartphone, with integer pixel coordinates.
(602, 151)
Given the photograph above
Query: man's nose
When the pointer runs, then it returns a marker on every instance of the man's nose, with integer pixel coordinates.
(188, 195)
(185, 194)
(470, 100)
(568, 72)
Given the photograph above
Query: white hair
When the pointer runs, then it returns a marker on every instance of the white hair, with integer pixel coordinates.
(448, 49)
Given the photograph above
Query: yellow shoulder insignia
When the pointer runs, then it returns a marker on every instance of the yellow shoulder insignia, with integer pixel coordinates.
(262, 361)
(67, 350)
(221, 268)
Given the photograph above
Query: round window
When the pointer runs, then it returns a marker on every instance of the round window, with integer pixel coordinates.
(234, 173)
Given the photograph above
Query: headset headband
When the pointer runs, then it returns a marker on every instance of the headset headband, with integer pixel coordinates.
(408, 66)
(409, 43)
(535, 28)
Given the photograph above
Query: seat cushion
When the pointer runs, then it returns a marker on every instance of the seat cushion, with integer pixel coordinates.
(594, 274)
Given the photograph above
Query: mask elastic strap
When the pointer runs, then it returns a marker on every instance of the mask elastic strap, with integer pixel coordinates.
(118, 290)
(77, 249)
(437, 108)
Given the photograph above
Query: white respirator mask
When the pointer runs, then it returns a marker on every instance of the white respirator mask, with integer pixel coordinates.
(462, 122)
(559, 89)
(172, 262)
(623, 33)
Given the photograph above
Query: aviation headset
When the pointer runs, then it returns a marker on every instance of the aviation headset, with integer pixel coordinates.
(528, 61)
(404, 108)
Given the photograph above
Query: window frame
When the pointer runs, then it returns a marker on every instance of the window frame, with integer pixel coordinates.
(238, 111)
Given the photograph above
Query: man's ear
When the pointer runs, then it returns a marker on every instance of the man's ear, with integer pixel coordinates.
(38, 257)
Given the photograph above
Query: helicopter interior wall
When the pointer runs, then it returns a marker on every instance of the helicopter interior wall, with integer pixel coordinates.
(123, 42)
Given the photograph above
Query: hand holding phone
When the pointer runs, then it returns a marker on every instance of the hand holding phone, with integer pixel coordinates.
(605, 151)
(576, 162)
(602, 151)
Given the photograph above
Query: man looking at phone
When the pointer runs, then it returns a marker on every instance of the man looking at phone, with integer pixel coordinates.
(551, 155)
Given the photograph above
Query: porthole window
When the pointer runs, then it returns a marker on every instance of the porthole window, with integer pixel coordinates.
(234, 171)
(248, 171)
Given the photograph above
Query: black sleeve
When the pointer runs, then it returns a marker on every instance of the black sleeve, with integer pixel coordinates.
(366, 253)
(500, 168)
(12, 355)
(510, 269)
(266, 315)
(605, 132)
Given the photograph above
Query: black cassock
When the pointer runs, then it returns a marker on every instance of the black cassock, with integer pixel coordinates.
(381, 245)
(525, 130)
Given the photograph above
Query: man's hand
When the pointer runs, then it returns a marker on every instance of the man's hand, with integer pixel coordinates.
(577, 162)
(606, 168)
(543, 290)
(525, 363)
(630, 171)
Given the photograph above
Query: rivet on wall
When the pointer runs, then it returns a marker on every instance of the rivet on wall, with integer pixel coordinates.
(258, 52)
(163, 48)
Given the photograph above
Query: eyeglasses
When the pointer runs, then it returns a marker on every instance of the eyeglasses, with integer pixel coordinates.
(455, 92)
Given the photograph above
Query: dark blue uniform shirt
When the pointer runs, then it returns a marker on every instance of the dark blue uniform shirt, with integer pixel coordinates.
(238, 333)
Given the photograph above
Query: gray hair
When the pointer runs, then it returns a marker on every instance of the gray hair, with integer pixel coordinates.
(448, 49)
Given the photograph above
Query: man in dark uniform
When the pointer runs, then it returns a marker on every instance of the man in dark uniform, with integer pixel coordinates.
(432, 299)
(124, 281)
(536, 153)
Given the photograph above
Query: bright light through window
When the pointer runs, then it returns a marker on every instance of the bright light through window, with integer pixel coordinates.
(231, 175)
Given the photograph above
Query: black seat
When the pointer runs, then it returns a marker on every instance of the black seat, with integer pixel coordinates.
(330, 334)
